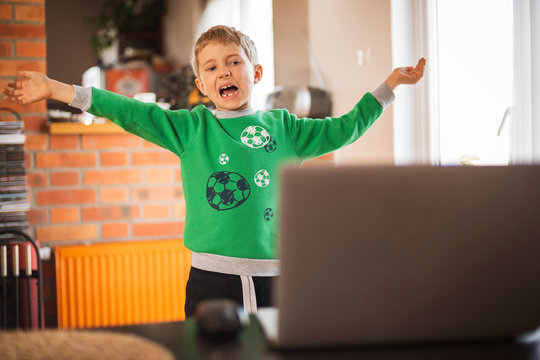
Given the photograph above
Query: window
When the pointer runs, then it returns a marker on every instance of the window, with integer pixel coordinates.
(480, 55)
(475, 80)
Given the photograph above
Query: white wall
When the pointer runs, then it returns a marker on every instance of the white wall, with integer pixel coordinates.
(336, 31)
(180, 28)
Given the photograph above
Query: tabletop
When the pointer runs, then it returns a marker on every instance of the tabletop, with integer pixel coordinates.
(183, 340)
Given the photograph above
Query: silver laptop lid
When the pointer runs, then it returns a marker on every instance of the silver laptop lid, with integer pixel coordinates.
(379, 255)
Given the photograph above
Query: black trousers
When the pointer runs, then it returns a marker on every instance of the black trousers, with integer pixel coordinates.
(206, 285)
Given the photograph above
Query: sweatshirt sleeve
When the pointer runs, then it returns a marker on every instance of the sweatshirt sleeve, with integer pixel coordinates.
(171, 129)
(316, 137)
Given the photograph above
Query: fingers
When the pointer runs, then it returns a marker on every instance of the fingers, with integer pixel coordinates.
(420, 67)
(16, 85)
(25, 74)
(14, 95)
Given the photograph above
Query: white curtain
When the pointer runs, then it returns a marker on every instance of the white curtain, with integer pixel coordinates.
(525, 140)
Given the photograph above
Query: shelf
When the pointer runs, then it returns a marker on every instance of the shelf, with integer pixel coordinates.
(69, 128)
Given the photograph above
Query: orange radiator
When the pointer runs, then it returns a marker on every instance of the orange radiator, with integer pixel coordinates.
(109, 284)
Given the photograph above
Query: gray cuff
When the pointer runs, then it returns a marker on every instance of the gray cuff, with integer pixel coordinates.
(384, 95)
(83, 98)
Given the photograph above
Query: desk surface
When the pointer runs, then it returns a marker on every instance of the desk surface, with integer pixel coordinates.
(182, 340)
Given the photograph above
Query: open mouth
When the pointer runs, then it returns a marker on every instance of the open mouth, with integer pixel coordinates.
(228, 90)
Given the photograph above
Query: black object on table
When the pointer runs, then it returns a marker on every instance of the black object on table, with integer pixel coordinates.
(183, 340)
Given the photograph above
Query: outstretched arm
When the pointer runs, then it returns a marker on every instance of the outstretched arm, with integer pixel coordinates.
(406, 75)
(32, 86)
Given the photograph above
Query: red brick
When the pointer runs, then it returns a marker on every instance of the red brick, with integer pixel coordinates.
(47, 234)
(29, 13)
(104, 213)
(158, 176)
(31, 49)
(66, 197)
(110, 141)
(113, 159)
(40, 106)
(5, 11)
(32, 1)
(37, 216)
(162, 193)
(49, 160)
(114, 230)
(109, 177)
(65, 215)
(64, 142)
(109, 195)
(156, 211)
(22, 31)
(11, 67)
(328, 158)
(34, 123)
(154, 158)
(28, 160)
(158, 229)
(36, 142)
(37, 179)
(179, 210)
(65, 178)
(5, 46)
(149, 145)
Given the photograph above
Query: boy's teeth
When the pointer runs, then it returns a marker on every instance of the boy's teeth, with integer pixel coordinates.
(228, 90)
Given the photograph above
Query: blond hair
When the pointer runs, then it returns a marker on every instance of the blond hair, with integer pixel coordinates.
(226, 35)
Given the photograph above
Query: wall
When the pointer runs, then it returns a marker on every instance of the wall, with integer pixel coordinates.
(336, 30)
(70, 53)
(181, 22)
(291, 56)
(85, 187)
(69, 50)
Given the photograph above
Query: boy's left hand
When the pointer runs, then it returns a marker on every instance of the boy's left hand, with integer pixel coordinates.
(406, 75)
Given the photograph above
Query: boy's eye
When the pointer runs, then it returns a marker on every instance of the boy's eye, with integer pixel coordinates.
(235, 62)
(211, 68)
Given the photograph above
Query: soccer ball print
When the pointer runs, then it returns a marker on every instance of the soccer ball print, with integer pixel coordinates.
(268, 214)
(226, 190)
(271, 146)
(223, 159)
(262, 178)
(255, 136)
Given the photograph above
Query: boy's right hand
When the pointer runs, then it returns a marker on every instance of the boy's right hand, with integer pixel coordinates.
(30, 87)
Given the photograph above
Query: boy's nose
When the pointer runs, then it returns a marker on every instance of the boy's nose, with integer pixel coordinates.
(225, 72)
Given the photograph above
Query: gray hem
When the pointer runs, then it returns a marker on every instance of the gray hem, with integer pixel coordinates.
(83, 98)
(235, 266)
(384, 95)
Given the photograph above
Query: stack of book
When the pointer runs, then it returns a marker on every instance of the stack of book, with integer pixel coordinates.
(13, 183)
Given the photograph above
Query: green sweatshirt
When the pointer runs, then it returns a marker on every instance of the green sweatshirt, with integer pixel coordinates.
(230, 166)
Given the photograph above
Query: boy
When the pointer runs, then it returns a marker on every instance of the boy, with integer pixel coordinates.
(229, 159)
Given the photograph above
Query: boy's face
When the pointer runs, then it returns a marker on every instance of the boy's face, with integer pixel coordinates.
(227, 76)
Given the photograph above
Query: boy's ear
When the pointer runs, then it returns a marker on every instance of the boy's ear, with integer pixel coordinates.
(200, 86)
(258, 73)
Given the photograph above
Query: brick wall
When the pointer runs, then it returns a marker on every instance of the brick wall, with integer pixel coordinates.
(85, 188)
(104, 187)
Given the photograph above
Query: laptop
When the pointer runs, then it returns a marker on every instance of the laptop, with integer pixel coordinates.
(405, 255)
